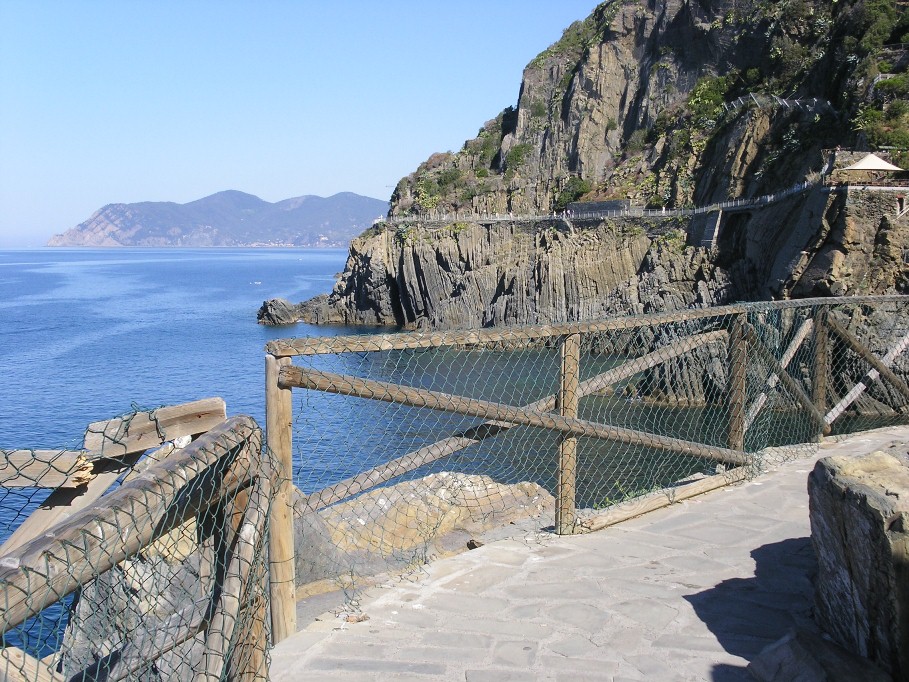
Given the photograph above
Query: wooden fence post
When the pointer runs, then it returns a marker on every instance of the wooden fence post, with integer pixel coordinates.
(821, 364)
(737, 378)
(282, 573)
(569, 380)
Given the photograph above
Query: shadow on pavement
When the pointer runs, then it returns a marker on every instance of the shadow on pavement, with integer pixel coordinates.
(748, 614)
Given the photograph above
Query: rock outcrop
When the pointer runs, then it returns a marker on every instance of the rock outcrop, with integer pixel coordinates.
(396, 527)
(860, 529)
(669, 104)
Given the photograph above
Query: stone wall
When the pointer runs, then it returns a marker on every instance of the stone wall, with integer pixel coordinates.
(860, 528)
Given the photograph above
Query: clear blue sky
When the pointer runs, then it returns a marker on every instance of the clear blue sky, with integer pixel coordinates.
(167, 100)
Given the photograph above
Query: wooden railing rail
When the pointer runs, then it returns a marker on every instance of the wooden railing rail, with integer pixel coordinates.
(281, 348)
(755, 352)
(222, 469)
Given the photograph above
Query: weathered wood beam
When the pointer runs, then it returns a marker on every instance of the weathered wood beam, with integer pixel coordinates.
(365, 343)
(248, 542)
(566, 475)
(298, 377)
(18, 666)
(871, 375)
(794, 388)
(143, 430)
(754, 409)
(472, 436)
(282, 565)
(140, 652)
(150, 505)
(116, 445)
(735, 391)
(661, 498)
(44, 469)
(859, 349)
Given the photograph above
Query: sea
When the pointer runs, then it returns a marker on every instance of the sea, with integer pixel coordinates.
(89, 334)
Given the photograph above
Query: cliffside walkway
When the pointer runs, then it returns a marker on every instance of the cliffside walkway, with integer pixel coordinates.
(690, 592)
(441, 221)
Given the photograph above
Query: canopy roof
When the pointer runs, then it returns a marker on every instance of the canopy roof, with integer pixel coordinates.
(872, 163)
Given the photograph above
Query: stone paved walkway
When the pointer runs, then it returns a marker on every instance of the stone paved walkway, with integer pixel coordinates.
(690, 592)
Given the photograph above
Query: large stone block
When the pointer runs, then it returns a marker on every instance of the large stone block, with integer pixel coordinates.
(860, 529)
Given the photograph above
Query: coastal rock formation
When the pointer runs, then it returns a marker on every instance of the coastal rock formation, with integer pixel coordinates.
(404, 525)
(278, 311)
(666, 104)
(859, 511)
(479, 274)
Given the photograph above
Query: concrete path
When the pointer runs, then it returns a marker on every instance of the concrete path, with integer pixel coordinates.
(690, 592)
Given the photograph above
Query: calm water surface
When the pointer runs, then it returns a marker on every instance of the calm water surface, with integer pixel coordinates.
(87, 334)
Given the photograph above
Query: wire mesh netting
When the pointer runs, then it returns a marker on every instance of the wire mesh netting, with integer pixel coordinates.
(408, 446)
(142, 559)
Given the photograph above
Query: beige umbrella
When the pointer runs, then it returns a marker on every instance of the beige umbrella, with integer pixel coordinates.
(872, 163)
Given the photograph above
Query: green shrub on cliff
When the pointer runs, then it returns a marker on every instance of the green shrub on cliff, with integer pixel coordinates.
(706, 99)
(574, 189)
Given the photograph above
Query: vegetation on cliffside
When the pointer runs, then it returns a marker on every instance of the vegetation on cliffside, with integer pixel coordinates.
(641, 101)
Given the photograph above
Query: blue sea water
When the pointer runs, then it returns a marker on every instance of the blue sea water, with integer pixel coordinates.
(87, 334)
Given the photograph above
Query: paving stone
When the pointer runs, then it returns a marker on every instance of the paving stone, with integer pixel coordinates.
(465, 603)
(581, 615)
(653, 668)
(504, 628)
(506, 552)
(572, 589)
(374, 665)
(652, 614)
(501, 676)
(581, 668)
(517, 654)
(619, 640)
(478, 580)
(688, 642)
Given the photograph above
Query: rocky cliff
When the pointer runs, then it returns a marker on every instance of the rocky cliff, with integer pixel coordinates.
(664, 104)
(228, 219)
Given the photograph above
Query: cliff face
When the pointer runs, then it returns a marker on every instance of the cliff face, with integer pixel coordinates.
(665, 104)
(630, 104)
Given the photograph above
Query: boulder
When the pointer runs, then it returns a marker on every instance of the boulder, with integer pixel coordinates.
(859, 509)
(278, 311)
(407, 524)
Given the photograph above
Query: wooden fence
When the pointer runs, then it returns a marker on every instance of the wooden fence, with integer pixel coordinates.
(737, 328)
(216, 489)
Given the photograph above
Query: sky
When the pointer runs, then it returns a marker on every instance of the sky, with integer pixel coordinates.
(124, 101)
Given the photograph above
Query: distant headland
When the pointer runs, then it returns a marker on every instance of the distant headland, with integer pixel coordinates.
(229, 218)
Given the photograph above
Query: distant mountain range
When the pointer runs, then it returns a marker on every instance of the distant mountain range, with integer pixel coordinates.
(228, 218)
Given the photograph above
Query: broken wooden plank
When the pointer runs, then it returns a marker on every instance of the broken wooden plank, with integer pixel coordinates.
(116, 445)
(44, 468)
(144, 430)
(149, 506)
